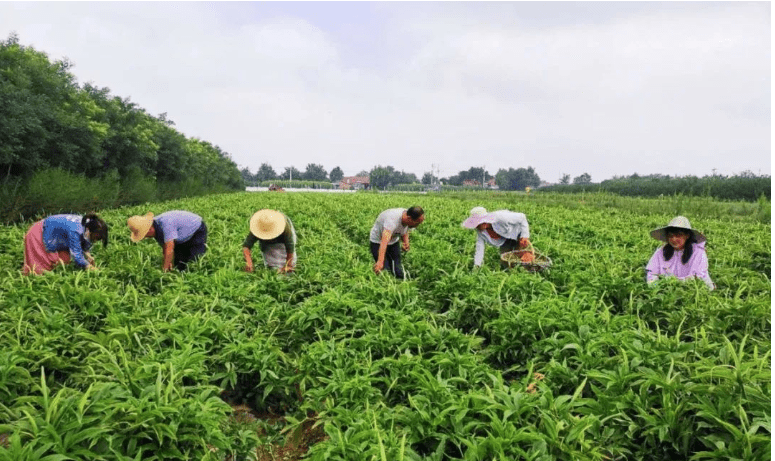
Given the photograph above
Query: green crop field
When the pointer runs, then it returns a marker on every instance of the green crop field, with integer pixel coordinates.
(583, 362)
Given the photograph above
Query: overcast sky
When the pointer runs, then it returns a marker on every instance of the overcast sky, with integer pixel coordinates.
(608, 88)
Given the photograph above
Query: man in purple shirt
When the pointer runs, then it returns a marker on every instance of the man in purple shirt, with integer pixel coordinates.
(181, 234)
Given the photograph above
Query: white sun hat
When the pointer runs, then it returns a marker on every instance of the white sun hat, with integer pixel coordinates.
(477, 216)
(679, 222)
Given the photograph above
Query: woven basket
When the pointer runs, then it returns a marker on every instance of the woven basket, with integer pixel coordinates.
(514, 258)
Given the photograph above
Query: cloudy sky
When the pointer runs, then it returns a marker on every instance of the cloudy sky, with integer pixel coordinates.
(608, 88)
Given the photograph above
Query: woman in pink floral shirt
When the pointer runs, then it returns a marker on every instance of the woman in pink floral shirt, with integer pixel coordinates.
(683, 256)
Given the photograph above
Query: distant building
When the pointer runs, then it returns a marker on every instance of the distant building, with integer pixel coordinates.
(491, 183)
(354, 182)
(471, 182)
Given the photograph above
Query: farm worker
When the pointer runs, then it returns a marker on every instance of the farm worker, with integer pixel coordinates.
(683, 255)
(504, 229)
(60, 239)
(276, 237)
(389, 226)
(181, 234)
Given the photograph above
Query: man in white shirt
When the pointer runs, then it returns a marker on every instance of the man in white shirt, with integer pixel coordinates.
(389, 226)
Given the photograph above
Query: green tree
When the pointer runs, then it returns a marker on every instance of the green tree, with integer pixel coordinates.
(265, 173)
(565, 179)
(379, 176)
(315, 172)
(472, 174)
(247, 176)
(401, 177)
(290, 173)
(518, 179)
(49, 122)
(336, 174)
(129, 143)
(583, 179)
(429, 178)
(172, 161)
(46, 120)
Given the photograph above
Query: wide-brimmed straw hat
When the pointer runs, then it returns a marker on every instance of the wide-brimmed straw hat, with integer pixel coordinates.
(267, 224)
(679, 222)
(477, 216)
(139, 225)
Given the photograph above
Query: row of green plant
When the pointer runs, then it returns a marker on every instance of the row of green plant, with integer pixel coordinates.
(583, 362)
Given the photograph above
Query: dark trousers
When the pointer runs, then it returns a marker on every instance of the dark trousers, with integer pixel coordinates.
(392, 258)
(191, 249)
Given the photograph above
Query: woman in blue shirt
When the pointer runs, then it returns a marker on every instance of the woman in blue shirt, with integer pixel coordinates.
(60, 239)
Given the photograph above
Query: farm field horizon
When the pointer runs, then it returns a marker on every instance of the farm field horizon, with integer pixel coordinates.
(581, 362)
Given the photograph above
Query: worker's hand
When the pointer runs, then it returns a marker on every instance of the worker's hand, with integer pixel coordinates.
(527, 257)
(91, 267)
(89, 258)
(248, 268)
(378, 266)
(524, 243)
(285, 269)
(405, 246)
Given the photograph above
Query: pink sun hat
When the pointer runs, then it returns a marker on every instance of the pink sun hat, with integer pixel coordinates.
(477, 216)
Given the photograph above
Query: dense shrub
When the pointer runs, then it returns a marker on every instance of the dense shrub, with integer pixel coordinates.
(746, 186)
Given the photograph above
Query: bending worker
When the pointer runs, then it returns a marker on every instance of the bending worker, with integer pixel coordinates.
(181, 234)
(276, 237)
(389, 226)
(60, 239)
(504, 229)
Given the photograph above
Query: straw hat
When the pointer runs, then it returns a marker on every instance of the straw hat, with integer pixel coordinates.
(139, 226)
(477, 216)
(267, 224)
(681, 223)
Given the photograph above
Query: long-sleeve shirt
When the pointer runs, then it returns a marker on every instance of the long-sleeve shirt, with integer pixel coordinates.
(483, 238)
(508, 224)
(286, 238)
(697, 266)
(65, 232)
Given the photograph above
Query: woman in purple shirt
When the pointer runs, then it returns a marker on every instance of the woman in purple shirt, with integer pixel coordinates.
(181, 234)
(682, 257)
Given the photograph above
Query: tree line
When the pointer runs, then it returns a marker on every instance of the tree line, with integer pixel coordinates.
(744, 186)
(384, 177)
(313, 172)
(53, 125)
